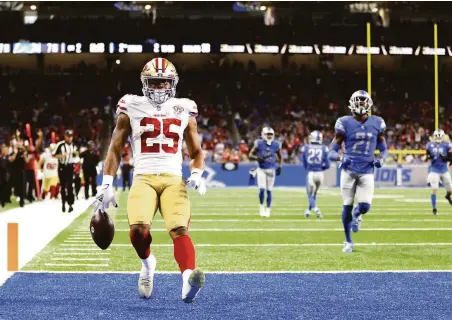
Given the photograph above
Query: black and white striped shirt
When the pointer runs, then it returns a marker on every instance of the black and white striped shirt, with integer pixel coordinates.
(64, 148)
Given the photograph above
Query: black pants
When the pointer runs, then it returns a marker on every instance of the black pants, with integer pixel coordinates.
(5, 190)
(66, 175)
(126, 168)
(18, 182)
(90, 175)
(31, 182)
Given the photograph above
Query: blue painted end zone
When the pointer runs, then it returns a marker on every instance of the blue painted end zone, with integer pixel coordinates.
(230, 296)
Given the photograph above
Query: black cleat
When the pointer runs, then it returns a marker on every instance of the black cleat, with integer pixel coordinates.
(64, 208)
(434, 212)
(70, 209)
(449, 198)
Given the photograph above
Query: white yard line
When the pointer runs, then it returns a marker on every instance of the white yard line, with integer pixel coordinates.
(295, 229)
(301, 219)
(76, 264)
(251, 245)
(80, 259)
(81, 253)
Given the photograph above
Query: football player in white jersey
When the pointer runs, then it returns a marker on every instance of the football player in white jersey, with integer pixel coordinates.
(157, 123)
(50, 172)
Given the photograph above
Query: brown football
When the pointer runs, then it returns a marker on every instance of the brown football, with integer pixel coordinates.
(102, 229)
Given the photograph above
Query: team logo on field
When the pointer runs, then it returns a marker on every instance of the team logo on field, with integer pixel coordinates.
(178, 110)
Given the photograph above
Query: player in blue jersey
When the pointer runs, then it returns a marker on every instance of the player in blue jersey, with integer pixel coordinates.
(439, 151)
(315, 161)
(361, 134)
(265, 151)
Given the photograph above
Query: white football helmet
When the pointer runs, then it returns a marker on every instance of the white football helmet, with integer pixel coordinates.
(360, 102)
(316, 137)
(438, 135)
(268, 134)
(153, 74)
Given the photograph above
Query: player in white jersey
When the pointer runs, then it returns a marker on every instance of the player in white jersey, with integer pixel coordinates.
(156, 124)
(50, 172)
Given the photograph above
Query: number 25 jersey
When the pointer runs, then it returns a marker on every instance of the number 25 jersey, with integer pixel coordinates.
(360, 141)
(157, 132)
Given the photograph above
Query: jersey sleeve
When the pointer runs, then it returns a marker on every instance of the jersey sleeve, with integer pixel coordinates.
(382, 126)
(339, 126)
(326, 160)
(192, 108)
(58, 149)
(256, 143)
(122, 105)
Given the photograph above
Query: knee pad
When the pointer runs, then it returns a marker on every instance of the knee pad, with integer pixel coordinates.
(363, 207)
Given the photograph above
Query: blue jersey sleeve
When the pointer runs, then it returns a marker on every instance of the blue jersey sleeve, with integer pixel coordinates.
(382, 126)
(326, 160)
(340, 125)
(304, 156)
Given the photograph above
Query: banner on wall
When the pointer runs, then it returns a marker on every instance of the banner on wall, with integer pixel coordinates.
(216, 176)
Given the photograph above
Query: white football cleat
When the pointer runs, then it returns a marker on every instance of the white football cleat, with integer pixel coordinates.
(318, 213)
(267, 213)
(348, 247)
(261, 210)
(146, 279)
(192, 282)
(307, 213)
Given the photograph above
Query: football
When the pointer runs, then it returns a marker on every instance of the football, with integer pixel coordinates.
(102, 229)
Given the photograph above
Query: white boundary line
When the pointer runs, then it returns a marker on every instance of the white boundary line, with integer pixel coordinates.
(244, 272)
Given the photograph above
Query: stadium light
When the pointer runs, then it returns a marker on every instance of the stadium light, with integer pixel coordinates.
(374, 9)
(33, 7)
(263, 8)
(118, 61)
(147, 7)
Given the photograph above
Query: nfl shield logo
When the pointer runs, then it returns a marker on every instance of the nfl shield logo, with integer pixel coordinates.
(178, 110)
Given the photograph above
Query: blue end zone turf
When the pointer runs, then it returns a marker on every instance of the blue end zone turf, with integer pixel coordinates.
(230, 296)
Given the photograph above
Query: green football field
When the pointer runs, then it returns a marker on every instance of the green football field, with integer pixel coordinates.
(400, 233)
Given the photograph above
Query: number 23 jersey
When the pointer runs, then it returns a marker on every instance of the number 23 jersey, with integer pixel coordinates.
(157, 132)
(360, 141)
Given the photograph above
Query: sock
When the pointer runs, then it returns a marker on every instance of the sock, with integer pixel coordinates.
(269, 198)
(146, 262)
(311, 202)
(361, 208)
(261, 196)
(141, 243)
(184, 253)
(346, 219)
(433, 199)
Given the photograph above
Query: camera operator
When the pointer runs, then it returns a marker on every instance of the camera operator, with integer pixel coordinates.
(18, 158)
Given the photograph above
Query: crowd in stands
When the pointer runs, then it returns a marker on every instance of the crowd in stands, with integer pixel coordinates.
(235, 101)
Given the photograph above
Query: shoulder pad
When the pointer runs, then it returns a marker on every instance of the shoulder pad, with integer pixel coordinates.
(340, 124)
(122, 105)
(190, 106)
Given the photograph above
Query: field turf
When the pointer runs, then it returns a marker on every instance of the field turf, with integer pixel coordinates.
(399, 233)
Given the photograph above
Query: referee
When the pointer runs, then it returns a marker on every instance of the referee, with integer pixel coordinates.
(64, 152)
